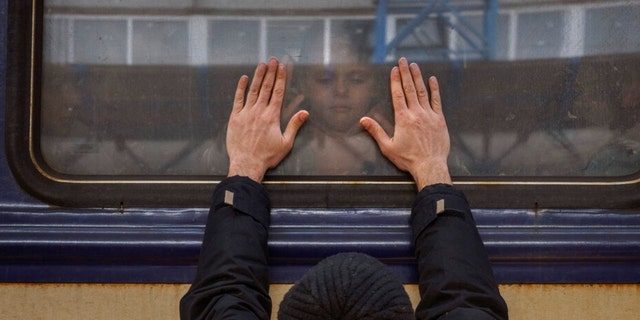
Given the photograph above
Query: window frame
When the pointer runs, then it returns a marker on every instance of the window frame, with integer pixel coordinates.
(24, 69)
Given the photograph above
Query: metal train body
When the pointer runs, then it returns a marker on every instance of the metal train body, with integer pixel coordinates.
(46, 241)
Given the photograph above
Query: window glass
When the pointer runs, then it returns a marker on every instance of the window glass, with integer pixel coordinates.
(470, 40)
(160, 42)
(57, 40)
(540, 34)
(145, 89)
(432, 34)
(286, 37)
(234, 41)
(99, 41)
(613, 29)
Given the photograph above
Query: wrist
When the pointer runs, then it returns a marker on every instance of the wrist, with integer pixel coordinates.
(431, 174)
(255, 173)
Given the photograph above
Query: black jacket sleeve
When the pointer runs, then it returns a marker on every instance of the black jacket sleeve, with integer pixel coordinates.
(456, 278)
(232, 281)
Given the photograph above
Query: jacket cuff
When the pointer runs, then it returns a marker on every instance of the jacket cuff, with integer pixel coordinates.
(432, 201)
(244, 195)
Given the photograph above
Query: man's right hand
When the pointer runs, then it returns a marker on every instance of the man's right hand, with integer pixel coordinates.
(255, 141)
(420, 143)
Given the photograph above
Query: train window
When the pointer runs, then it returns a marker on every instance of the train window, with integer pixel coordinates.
(87, 51)
(541, 34)
(233, 41)
(130, 100)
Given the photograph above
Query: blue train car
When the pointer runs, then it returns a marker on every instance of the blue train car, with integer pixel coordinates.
(113, 115)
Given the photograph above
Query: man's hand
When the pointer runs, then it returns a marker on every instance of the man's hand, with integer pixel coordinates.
(420, 142)
(255, 141)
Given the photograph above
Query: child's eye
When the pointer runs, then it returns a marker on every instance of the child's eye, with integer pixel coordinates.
(324, 80)
(359, 78)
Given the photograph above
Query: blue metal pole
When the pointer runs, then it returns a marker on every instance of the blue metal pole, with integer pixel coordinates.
(414, 23)
(381, 32)
(490, 27)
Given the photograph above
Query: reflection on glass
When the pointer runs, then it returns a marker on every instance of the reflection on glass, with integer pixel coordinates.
(339, 85)
(286, 37)
(160, 42)
(135, 91)
(540, 34)
(615, 27)
(98, 41)
(621, 156)
(234, 42)
(464, 48)
(431, 34)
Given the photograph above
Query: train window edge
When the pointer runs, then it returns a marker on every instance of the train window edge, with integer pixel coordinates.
(23, 83)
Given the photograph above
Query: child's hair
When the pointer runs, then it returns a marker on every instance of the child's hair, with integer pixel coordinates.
(354, 35)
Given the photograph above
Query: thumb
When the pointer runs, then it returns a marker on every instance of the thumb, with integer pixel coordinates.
(375, 130)
(294, 125)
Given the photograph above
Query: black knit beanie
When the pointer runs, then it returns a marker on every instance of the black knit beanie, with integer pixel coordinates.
(347, 286)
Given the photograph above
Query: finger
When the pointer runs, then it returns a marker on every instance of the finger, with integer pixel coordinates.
(254, 89)
(434, 88)
(279, 88)
(397, 93)
(238, 99)
(268, 82)
(407, 83)
(294, 126)
(421, 88)
(376, 132)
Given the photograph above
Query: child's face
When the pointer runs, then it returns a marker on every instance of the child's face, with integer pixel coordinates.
(339, 95)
